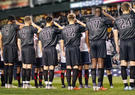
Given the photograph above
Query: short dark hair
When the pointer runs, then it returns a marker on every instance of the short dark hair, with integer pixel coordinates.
(11, 18)
(48, 19)
(125, 6)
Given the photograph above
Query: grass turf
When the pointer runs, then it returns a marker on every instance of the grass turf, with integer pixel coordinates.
(117, 90)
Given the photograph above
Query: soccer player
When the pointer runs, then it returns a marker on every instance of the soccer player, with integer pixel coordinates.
(124, 26)
(26, 48)
(9, 49)
(38, 71)
(48, 37)
(96, 36)
(71, 35)
(85, 62)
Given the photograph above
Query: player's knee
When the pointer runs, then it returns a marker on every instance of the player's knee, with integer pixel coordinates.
(123, 63)
(45, 67)
(2, 71)
(51, 67)
(86, 67)
(68, 67)
(108, 72)
(29, 66)
(24, 66)
(132, 63)
(75, 67)
(80, 67)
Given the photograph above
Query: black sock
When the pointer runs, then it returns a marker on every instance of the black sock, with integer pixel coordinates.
(51, 75)
(18, 78)
(46, 75)
(110, 79)
(62, 78)
(75, 74)
(35, 78)
(40, 78)
(28, 74)
(124, 74)
(80, 76)
(86, 77)
(6, 73)
(100, 76)
(2, 80)
(68, 75)
(93, 74)
(10, 69)
(132, 75)
(23, 74)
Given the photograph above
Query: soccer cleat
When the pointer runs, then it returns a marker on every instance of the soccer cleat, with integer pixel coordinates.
(76, 88)
(87, 86)
(130, 88)
(63, 86)
(13, 86)
(30, 86)
(111, 86)
(103, 89)
(69, 88)
(6, 85)
(94, 88)
(81, 86)
(126, 88)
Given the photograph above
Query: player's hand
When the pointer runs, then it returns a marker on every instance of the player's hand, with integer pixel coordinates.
(118, 49)
(1, 53)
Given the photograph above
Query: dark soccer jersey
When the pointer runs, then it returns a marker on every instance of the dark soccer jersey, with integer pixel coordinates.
(71, 34)
(9, 34)
(97, 27)
(49, 36)
(125, 24)
(26, 34)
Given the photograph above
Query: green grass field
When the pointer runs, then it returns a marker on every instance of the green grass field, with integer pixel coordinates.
(117, 90)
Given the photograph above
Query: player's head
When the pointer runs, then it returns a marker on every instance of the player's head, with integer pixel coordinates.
(98, 11)
(49, 20)
(125, 7)
(71, 17)
(27, 20)
(11, 19)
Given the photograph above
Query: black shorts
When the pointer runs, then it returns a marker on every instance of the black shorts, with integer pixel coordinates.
(85, 58)
(73, 56)
(108, 62)
(10, 54)
(63, 66)
(127, 50)
(49, 56)
(98, 49)
(28, 55)
(18, 64)
(38, 63)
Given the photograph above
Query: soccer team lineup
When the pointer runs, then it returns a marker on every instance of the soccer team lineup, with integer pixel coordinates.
(82, 48)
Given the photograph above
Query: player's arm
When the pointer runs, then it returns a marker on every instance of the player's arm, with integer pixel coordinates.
(108, 15)
(1, 44)
(58, 25)
(87, 40)
(36, 26)
(62, 47)
(40, 45)
(81, 23)
(19, 44)
(116, 40)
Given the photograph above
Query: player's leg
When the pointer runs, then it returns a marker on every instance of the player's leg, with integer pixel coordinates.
(40, 77)
(18, 74)
(51, 75)
(124, 73)
(28, 75)
(46, 68)
(24, 75)
(80, 75)
(68, 75)
(109, 75)
(2, 78)
(10, 73)
(6, 74)
(93, 72)
(63, 68)
(36, 76)
(86, 75)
